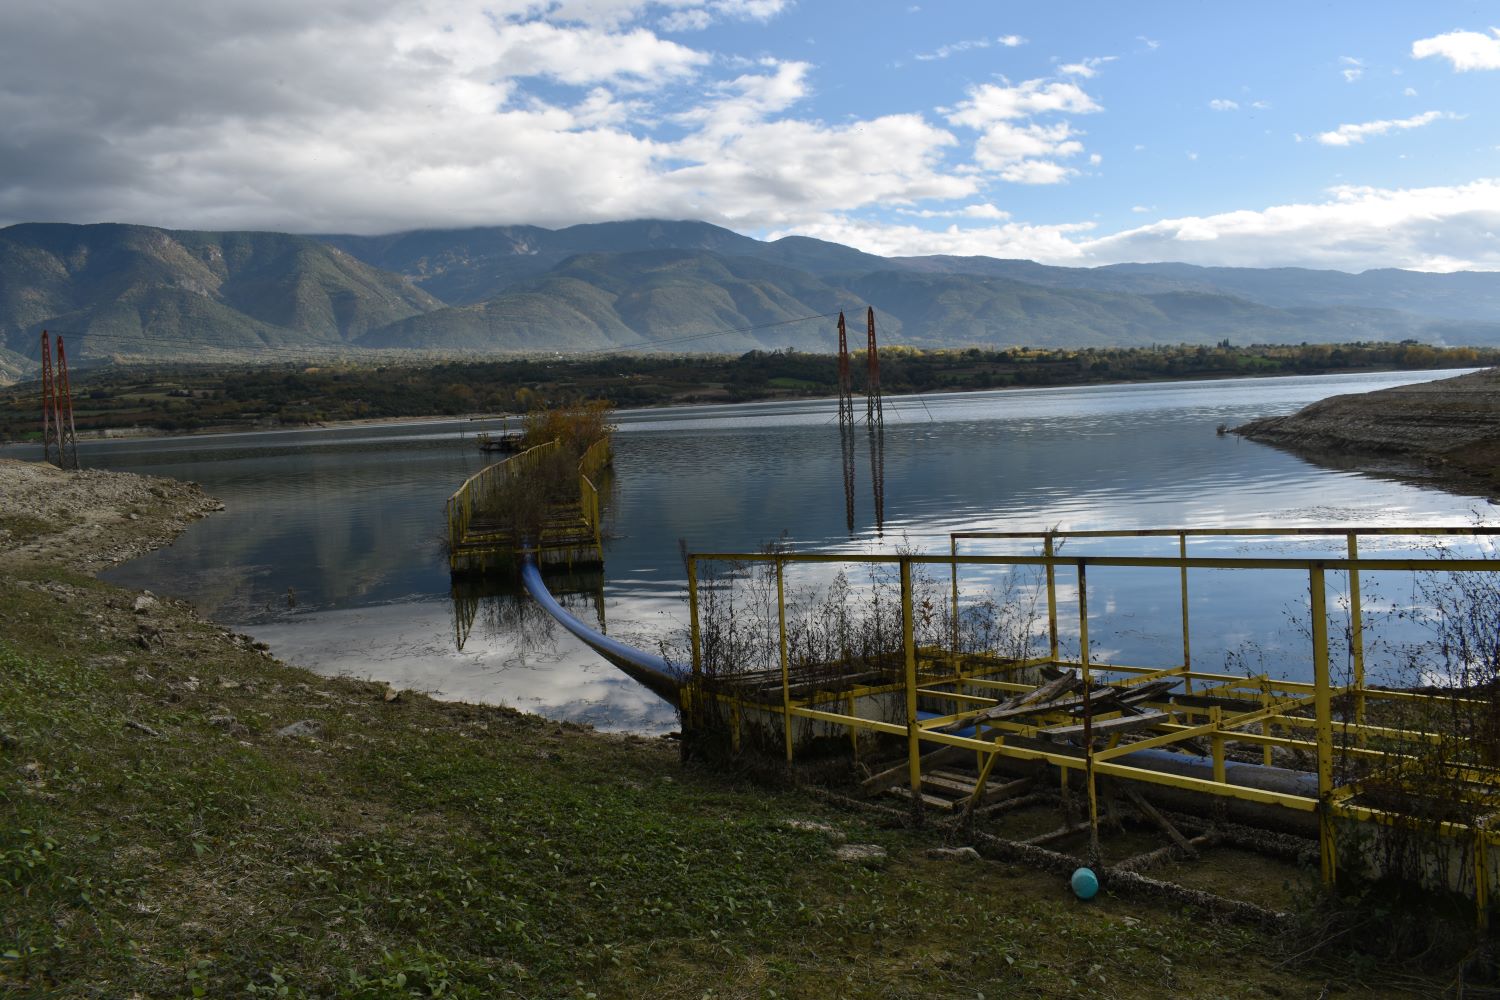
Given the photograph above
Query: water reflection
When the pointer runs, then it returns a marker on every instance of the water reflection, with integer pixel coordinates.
(351, 519)
(503, 609)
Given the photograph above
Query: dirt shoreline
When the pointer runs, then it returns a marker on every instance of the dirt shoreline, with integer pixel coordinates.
(1444, 433)
(88, 520)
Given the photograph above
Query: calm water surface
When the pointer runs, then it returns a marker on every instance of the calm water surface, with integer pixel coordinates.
(330, 547)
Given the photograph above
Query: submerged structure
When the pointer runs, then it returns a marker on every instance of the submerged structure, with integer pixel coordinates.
(965, 704)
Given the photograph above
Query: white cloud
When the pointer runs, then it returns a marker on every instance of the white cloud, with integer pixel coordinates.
(1012, 239)
(1010, 144)
(583, 55)
(696, 19)
(1409, 92)
(379, 115)
(778, 172)
(1004, 144)
(982, 210)
(1466, 50)
(1150, 43)
(1348, 135)
(750, 98)
(1223, 104)
(1261, 105)
(944, 51)
(990, 102)
(1431, 229)
(1353, 68)
(1087, 68)
(1142, 209)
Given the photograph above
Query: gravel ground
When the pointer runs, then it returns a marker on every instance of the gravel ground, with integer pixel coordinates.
(90, 519)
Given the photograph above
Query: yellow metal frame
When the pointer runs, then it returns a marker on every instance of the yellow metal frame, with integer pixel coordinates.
(973, 683)
(466, 546)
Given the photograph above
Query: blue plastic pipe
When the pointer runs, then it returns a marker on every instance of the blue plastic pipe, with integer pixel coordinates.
(653, 672)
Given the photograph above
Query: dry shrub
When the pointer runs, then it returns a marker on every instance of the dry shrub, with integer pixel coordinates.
(576, 425)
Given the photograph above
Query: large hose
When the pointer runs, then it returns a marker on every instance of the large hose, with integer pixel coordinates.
(652, 672)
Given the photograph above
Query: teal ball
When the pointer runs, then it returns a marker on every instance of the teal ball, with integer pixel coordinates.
(1085, 883)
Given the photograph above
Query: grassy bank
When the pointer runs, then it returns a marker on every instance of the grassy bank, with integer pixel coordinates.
(163, 833)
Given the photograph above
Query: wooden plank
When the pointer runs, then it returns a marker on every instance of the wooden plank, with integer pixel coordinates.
(930, 801)
(1019, 704)
(882, 780)
(964, 788)
(1060, 833)
(1146, 692)
(1103, 727)
(1149, 811)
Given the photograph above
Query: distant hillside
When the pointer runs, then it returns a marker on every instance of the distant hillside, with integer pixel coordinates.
(972, 299)
(12, 366)
(616, 300)
(967, 309)
(624, 299)
(465, 266)
(139, 291)
(1472, 296)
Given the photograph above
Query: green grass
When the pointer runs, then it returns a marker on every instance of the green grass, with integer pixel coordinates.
(157, 839)
(23, 527)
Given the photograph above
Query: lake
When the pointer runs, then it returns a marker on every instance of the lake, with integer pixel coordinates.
(330, 547)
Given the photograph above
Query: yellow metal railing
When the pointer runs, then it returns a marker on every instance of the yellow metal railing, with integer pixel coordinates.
(481, 490)
(1350, 537)
(937, 675)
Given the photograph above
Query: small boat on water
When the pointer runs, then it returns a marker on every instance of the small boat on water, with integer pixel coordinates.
(507, 437)
(503, 441)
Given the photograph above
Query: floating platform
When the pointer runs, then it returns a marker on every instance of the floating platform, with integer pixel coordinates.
(482, 532)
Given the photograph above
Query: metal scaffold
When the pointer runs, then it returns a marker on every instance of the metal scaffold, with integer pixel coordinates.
(1360, 767)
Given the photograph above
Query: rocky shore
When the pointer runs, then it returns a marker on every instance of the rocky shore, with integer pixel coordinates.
(1445, 432)
(88, 520)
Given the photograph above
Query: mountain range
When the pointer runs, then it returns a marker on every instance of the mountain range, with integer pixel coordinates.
(138, 292)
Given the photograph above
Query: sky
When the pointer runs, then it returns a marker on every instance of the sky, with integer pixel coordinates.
(1347, 135)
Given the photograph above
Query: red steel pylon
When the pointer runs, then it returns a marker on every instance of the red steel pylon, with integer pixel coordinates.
(47, 399)
(67, 434)
(57, 408)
